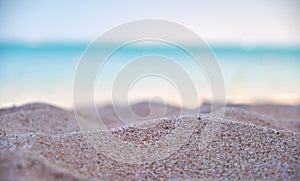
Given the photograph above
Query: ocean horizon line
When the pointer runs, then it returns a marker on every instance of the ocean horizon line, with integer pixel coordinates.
(81, 46)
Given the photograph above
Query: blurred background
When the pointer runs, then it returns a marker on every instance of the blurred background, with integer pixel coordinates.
(257, 44)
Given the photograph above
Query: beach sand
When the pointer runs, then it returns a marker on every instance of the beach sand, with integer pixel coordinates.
(43, 142)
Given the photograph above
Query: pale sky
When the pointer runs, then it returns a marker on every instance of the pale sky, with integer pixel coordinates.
(249, 21)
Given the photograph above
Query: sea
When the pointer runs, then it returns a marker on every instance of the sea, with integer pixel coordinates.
(46, 73)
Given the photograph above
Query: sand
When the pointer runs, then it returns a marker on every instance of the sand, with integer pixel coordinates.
(43, 142)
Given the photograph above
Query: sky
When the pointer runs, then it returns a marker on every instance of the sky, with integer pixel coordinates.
(241, 22)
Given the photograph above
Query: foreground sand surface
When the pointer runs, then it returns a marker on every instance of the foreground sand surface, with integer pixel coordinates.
(43, 142)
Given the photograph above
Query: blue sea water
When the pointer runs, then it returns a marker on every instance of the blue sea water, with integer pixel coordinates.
(45, 72)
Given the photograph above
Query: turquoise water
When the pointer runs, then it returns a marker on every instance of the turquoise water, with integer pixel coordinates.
(45, 72)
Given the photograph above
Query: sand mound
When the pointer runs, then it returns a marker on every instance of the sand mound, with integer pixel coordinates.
(262, 119)
(37, 117)
(236, 150)
(24, 165)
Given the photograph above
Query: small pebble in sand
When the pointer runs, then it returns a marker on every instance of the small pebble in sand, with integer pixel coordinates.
(2, 133)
